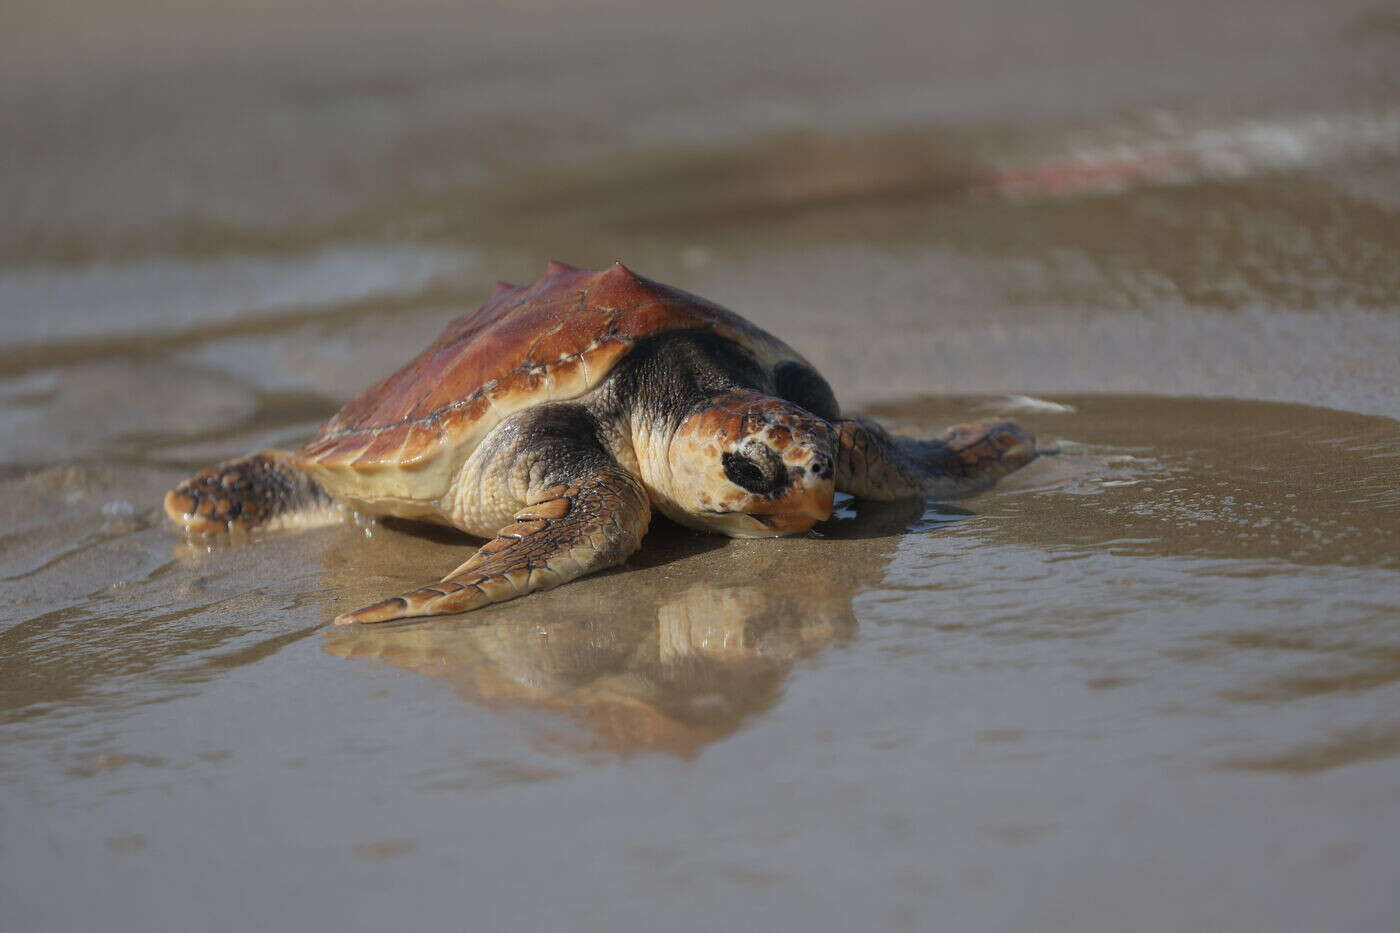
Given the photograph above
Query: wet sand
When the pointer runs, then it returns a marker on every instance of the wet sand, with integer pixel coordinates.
(1161, 662)
(1147, 684)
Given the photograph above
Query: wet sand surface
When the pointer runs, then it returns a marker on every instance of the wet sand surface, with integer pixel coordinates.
(1150, 683)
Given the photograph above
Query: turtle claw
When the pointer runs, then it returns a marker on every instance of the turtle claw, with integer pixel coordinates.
(445, 598)
(386, 610)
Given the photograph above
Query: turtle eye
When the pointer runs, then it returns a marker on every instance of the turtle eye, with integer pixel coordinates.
(757, 476)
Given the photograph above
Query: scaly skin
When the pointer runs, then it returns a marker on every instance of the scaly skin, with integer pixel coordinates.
(583, 512)
(965, 459)
(571, 531)
(263, 491)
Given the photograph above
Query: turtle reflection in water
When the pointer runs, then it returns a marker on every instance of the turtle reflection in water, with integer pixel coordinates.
(557, 416)
(673, 664)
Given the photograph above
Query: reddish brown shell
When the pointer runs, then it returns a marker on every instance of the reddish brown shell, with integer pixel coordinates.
(557, 339)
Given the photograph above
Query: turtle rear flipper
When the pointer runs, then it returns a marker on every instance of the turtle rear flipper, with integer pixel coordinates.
(262, 491)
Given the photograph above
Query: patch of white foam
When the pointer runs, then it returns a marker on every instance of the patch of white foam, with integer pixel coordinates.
(1031, 403)
(1169, 150)
(1310, 139)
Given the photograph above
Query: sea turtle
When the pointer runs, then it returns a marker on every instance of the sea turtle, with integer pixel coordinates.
(557, 416)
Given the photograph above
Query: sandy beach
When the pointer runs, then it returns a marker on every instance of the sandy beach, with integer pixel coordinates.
(1147, 684)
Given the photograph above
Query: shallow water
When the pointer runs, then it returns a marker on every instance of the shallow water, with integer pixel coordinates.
(1165, 661)
(1149, 683)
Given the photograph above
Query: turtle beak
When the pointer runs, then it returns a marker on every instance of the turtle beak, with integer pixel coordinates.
(799, 510)
(789, 523)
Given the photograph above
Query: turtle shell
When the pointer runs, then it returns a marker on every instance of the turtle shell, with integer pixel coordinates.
(403, 438)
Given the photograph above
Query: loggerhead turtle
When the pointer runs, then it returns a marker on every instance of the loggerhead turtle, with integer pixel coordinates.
(557, 416)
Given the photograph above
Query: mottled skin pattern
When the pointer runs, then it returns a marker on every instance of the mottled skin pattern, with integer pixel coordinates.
(554, 420)
(963, 460)
(264, 491)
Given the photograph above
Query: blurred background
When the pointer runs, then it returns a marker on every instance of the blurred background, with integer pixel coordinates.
(1148, 684)
(920, 196)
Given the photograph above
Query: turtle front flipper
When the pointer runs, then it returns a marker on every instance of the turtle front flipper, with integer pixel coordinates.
(262, 491)
(965, 459)
(569, 530)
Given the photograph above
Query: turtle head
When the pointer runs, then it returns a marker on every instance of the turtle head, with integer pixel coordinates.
(749, 465)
